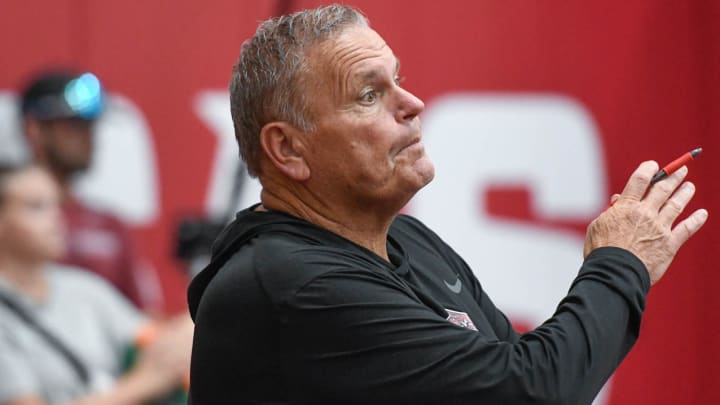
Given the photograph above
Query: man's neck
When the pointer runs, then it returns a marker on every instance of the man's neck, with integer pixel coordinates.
(365, 226)
(25, 275)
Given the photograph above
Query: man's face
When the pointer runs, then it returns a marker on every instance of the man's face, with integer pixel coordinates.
(67, 145)
(30, 218)
(365, 146)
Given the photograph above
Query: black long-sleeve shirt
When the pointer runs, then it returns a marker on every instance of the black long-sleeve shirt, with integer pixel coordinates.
(290, 313)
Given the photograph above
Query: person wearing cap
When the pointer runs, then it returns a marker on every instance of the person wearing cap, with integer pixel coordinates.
(59, 110)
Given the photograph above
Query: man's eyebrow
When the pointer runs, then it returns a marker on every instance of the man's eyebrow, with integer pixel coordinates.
(369, 75)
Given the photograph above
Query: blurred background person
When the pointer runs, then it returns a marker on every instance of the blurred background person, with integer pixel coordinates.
(59, 109)
(65, 334)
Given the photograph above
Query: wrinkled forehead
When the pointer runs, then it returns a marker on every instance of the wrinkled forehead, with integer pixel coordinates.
(348, 54)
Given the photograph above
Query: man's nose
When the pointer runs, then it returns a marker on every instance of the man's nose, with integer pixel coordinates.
(409, 106)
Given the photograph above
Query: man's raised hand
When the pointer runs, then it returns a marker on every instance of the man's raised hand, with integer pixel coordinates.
(641, 219)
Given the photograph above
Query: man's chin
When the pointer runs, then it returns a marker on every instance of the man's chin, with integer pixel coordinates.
(425, 171)
(420, 179)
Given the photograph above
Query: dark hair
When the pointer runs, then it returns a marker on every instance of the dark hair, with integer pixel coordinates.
(62, 94)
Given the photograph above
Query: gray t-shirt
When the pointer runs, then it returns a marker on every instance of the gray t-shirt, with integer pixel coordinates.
(93, 320)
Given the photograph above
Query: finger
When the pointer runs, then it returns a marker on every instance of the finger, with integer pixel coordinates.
(676, 204)
(687, 228)
(640, 180)
(661, 191)
(613, 200)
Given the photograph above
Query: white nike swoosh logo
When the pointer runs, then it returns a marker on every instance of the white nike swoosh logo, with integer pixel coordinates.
(454, 287)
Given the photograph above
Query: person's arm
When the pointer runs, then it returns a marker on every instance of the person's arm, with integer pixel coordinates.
(30, 400)
(129, 391)
(132, 389)
(641, 219)
(163, 366)
(352, 336)
(163, 362)
(607, 231)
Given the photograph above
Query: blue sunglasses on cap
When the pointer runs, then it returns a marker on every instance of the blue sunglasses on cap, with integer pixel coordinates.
(82, 97)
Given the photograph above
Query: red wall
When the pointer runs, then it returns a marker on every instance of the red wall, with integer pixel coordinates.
(648, 72)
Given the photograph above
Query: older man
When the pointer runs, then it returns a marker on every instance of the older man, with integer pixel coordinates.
(322, 293)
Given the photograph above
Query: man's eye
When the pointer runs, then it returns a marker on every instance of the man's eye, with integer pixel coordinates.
(399, 79)
(369, 97)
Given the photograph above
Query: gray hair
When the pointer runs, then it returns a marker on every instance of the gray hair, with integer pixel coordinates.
(267, 80)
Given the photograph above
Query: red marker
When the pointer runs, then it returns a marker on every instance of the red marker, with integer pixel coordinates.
(671, 167)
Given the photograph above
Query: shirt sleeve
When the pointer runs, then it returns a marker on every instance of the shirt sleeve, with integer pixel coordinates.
(353, 336)
(498, 321)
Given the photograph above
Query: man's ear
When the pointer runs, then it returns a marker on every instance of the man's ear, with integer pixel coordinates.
(283, 146)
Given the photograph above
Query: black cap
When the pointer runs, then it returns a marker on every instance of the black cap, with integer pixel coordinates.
(63, 94)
